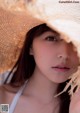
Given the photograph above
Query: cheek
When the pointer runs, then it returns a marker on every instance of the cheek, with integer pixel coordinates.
(43, 51)
(75, 63)
(43, 55)
(75, 60)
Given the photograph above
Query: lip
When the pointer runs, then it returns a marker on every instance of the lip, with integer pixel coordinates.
(61, 68)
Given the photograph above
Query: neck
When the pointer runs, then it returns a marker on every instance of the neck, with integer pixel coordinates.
(41, 87)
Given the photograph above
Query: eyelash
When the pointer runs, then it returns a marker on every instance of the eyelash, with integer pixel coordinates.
(52, 38)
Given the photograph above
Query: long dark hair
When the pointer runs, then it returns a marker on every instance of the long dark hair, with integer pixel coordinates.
(25, 65)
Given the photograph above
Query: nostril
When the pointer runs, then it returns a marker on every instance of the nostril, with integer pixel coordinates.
(59, 56)
(64, 57)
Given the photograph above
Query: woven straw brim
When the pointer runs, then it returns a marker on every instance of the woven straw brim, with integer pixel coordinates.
(13, 28)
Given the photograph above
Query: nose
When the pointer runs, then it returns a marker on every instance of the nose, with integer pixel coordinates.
(66, 50)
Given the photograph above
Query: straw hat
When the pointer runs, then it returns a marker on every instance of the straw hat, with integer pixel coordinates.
(18, 16)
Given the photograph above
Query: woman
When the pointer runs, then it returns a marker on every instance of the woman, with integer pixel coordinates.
(44, 65)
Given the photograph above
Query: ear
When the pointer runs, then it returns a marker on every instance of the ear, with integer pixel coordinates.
(31, 51)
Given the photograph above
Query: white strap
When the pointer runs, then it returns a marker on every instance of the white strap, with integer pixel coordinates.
(16, 98)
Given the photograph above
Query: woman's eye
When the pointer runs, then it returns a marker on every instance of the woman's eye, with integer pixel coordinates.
(52, 38)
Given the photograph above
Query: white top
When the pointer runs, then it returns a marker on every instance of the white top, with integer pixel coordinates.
(16, 98)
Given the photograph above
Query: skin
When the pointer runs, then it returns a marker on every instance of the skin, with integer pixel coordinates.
(48, 52)
(75, 103)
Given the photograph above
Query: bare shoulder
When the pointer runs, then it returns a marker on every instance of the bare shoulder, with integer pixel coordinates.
(7, 93)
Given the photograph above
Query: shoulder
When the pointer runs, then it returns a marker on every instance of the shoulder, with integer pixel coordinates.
(7, 93)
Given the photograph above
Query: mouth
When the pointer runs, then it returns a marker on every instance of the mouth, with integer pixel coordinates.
(61, 68)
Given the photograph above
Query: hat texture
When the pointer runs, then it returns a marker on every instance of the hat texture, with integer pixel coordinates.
(13, 27)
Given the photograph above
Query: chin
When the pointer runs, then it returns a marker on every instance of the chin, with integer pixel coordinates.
(59, 80)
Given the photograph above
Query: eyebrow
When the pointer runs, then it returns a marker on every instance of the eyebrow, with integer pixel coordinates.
(55, 32)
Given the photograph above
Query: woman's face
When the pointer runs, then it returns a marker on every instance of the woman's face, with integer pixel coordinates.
(54, 58)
